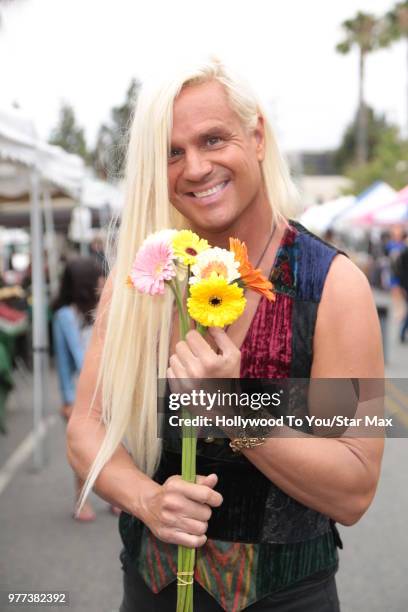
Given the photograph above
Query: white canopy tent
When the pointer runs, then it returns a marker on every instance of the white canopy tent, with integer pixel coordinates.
(28, 165)
(31, 166)
(24, 158)
(371, 199)
(318, 218)
(23, 150)
(394, 212)
(96, 193)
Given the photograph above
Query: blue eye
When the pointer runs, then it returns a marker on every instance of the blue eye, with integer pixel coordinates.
(213, 140)
(174, 153)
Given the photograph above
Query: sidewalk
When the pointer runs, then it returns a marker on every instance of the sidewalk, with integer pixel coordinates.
(44, 549)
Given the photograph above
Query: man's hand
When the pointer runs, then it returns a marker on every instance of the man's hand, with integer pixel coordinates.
(195, 359)
(179, 511)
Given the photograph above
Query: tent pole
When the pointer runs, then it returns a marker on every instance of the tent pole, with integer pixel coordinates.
(39, 321)
(83, 245)
(51, 244)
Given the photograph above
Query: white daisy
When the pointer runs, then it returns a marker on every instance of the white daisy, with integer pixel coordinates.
(217, 260)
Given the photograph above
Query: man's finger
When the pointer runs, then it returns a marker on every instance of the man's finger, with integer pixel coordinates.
(194, 510)
(188, 540)
(174, 382)
(185, 355)
(222, 340)
(192, 526)
(198, 345)
(210, 480)
(177, 367)
(200, 493)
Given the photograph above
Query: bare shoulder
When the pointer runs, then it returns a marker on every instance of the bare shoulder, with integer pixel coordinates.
(346, 293)
(345, 281)
(347, 338)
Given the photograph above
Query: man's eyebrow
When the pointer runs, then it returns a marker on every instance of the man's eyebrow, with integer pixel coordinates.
(221, 127)
(214, 130)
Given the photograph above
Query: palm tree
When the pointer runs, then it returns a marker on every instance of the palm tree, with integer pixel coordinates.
(360, 32)
(395, 27)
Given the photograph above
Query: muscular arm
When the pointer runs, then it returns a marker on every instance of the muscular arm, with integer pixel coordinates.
(337, 477)
(177, 511)
(120, 482)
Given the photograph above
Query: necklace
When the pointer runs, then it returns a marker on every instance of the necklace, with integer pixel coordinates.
(266, 246)
(210, 439)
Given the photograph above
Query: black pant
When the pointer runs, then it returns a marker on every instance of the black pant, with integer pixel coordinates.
(315, 594)
(404, 324)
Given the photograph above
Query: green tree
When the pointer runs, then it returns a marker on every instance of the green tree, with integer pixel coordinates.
(68, 134)
(346, 153)
(360, 32)
(395, 27)
(389, 163)
(110, 149)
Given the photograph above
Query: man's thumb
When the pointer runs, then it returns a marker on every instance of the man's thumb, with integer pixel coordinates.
(209, 481)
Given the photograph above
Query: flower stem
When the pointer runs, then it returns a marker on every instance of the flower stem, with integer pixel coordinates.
(185, 555)
(183, 320)
(202, 329)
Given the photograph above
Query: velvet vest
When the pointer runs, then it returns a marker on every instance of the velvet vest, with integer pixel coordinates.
(260, 539)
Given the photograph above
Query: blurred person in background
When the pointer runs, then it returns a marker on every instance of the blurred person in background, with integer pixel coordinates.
(97, 251)
(393, 248)
(13, 339)
(396, 242)
(401, 273)
(81, 285)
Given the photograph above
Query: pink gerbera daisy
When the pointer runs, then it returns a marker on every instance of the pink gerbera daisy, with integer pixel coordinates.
(153, 266)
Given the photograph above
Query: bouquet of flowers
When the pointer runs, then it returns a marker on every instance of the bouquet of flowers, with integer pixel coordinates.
(213, 296)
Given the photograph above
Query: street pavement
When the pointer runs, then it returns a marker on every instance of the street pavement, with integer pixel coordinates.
(43, 549)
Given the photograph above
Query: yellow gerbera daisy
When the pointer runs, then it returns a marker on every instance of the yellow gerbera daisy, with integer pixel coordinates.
(215, 303)
(187, 245)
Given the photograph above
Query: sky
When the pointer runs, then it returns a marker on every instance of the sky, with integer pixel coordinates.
(85, 52)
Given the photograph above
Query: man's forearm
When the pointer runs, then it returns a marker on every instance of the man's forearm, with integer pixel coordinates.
(327, 475)
(120, 482)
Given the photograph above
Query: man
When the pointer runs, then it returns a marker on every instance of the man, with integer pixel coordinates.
(270, 542)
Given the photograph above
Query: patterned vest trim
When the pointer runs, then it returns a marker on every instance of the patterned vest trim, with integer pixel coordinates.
(260, 539)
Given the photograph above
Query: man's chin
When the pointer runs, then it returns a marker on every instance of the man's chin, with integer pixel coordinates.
(213, 225)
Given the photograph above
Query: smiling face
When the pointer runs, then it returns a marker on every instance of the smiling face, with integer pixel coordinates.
(214, 172)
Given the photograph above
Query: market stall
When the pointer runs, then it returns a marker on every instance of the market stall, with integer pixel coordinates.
(30, 166)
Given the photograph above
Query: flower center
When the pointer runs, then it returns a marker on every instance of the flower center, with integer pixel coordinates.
(215, 266)
(159, 269)
(191, 251)
(215, 301)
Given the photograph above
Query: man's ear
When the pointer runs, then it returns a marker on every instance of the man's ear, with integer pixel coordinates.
(259, 133)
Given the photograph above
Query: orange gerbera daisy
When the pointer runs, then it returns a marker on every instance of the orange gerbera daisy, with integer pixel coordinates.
(250, 276)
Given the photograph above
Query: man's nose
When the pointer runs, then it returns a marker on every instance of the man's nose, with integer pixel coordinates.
(196, 166)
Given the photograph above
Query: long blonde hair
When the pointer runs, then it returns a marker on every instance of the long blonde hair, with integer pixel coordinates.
(136, 344)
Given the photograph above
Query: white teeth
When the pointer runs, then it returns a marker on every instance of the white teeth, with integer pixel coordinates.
(203, 194)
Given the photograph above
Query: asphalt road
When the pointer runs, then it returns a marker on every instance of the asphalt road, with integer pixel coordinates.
(43, 549)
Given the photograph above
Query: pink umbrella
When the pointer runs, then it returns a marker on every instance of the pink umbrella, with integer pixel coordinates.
(395, 211)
